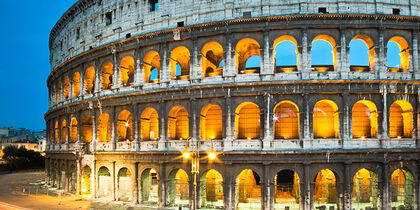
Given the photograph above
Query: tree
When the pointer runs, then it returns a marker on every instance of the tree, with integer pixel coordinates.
(20, 158)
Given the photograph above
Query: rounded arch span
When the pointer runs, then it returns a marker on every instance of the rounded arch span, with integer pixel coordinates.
(365, 189)
(104, 128)
(286, 120)
(63, 131)
(247, 121)
(212, 59)
(73, 130)
(87, 128)
(151, 67)
(326, 190)
(149, 124)
(127, 71)
(211, 189)
(245, 49)
(66, 87)
(149, 182)
(325, 119)
(248, 190)
(364, 119)
(401, 119)
(125, 126)
(179, 63)
(286, 55)
(107, 73)
(178, 188)
(178, 123)
(402, 189)
(398, 59)
(124, 184)
(323, 60)
(211, 122)
(76, 84)
(89, 79)
(286, 189)
(364, 53)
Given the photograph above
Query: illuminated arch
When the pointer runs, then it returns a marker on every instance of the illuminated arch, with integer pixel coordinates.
(149, 124)
(246, 49)
(56, 132)
(248, 190)
(66, 87)
(124, 185)
(149, 182)
(319, 43)
(285, 54)
(151, 67)
(104, 128)
(104, 182)
(325, 190)
(107, 73)
(178, 123)
(401, 120)
(125, 126)
(403, 56)
(211, 189)
(212, 59)
(73, 130)
(85, 184)
(211, 122)
(365, 190)
(89, 79)
(286, 190)
(76, 84)
(127, 71)
(87, 129)
(59, 92)
(402, 189)
(364, 120)
(179, 63)
(63, 131)
(326, 119)
(247, 121)
(53, 94)
(286, 120)
(178, 188)
(362, 53)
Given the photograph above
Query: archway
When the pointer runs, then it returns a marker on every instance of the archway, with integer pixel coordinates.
(149, 124)
(398, 55)
(211, 123)
(365, 190)
(89, 79)
(178, 188)
(323, 53)
(178, 123)
(125, 126)
(63, 131)
(73, 130)
(247, 121)
(325, 190)
(211, 190)
(248, 190)
(287, 190)
(211, 59)
(401, 120)
(66, 87)
(56, 140)
(180, 63)
(151, 67)
(362, 54)
(85, 183)
(286, 120)
(104, 128)
(402, 189)
(149, 187)
(325, 119)
(245, 50)
(285, 54)
(104, 183)
(127, 71)
(59, 92)
(87, 129)
(364, 120)
(124, 185)
(76, 84)
(107, 73)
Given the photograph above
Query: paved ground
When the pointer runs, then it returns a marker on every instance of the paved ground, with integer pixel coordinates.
(25, 190)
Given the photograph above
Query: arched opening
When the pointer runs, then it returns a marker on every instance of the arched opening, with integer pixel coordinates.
(63, 131)
(104, 128)
(178, 123)
(73, 179)
(325, 190)
(285, 54)
(149, 187)
(107, 73)
(398, 55)
(362, 54)
(287, 190)
(151, 67)
(365, 190)
(178, 188)
(149, 125)
(325, 119)
(248, 190)
(63, 175)
(286, 120)
(211, 190)
(73, 130)
(211, 58)
(56, 132)
(66, 87)
(125, 126)
(401, 120)
(402, 189)
(127, 71)
(124, 185)
(323, 53)
(51, 134)
(364, 120)
(247, 121)
(104, 183)
(85, 183)
(76, 84)
(89, 80)
(53, 95)
(59, 92)
(248, 56)
(180, 63)
(87, 129)
(211, 122)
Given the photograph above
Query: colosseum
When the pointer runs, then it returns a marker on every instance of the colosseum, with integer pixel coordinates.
(233, 104)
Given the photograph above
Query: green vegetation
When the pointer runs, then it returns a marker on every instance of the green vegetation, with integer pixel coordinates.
(21, 158)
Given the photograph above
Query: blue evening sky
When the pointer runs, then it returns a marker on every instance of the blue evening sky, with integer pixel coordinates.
(24, 56)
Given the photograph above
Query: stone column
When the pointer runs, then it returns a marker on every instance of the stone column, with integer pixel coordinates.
(114, 184)
(97, 81)
(94, 137)
(164, 70)
(68, 123)
(382, 61)
(384, 187)
(266, 188)
(345, 52)
(79, 176)
(268, 122)
(415, 52)
(82, 82)
(229, 129)
(138, 72)
(384, 115)
(70, 87)
(307, 187)
(306, 116)
(195, 73)
(79, 128)
(346, 128)
(114, 126)
(228, 188)
(267, 67)
(93, 184)
(136, 182)
(116, 78)
(162, 200)
(229, 61)
(163, 125)
(192, 116)
(347, 186)
(59, 133)
(136, 128)
(306, 52)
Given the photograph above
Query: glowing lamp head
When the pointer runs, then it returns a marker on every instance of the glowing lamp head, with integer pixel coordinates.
(186, 155)
(363, 137)
(249, 138)
(399, 137)
(126, 124)
(212, 155)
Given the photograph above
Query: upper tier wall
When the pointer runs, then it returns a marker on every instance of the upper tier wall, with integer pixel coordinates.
(85, 26)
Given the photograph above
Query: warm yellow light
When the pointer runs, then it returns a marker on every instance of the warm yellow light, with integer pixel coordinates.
(212, 155)
(363, 137)
(398, 137)
(249, 138)
(126, 124)
(186, 155)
